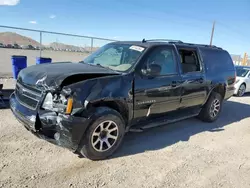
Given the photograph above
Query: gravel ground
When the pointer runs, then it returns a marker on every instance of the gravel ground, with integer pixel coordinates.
(185, 154)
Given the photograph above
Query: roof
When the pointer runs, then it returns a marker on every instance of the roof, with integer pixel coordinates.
(149, 43)
(140, 43)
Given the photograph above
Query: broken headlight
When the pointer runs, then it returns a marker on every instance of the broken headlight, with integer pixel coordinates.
(48, 102)
(58, 103)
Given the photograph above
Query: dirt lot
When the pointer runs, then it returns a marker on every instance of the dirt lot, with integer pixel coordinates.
(185, 154)
(57, 56)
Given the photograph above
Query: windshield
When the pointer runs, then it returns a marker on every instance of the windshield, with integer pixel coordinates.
(241, 72)
(119, 57)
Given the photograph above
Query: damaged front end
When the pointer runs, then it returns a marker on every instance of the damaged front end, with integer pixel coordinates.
(57, 119)
(50, 113)
(51, 100)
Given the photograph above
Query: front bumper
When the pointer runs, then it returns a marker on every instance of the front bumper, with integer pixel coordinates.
(63, 130)
(236, 86)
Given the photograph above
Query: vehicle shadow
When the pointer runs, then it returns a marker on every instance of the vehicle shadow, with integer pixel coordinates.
(246, 95)
(164, 136)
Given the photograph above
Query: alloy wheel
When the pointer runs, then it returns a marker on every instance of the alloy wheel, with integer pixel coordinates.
(242, 90)
(215, 108)
(104, 136)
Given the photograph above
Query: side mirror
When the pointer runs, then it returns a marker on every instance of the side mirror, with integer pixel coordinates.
(152, 70)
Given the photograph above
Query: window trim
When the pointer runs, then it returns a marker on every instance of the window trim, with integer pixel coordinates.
(248, 74)
(195, 49)
(149, 51)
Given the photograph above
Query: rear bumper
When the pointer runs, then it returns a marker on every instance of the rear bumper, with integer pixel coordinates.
(229, 92)
(62, 130)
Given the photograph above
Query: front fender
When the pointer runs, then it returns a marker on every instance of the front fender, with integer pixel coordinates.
(115, 92)
(116, 88)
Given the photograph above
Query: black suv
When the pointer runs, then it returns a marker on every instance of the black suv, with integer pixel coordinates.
(88, 106)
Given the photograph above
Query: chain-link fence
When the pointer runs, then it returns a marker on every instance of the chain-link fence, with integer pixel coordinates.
(36, 43)
(57, 46)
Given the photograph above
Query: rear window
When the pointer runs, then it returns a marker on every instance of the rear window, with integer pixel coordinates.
(217, 60)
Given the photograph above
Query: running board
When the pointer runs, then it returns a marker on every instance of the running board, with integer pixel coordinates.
(161, 122)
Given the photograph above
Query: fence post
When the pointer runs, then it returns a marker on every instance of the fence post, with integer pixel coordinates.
(40, 44)
(92, 41)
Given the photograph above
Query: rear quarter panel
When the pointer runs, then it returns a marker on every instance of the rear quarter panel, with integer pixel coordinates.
(219, 69)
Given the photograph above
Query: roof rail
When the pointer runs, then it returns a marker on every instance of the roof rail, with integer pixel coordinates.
(163, 40)
(203, 45)
(179, 41)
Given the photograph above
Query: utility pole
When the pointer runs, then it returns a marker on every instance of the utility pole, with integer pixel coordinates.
(212, 34)
(244, 62)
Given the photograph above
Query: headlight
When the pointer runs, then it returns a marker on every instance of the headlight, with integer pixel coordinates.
(48, 102)
(237, 81)
(58, 103)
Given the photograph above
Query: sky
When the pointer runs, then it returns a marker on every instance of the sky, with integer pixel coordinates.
(189, 21)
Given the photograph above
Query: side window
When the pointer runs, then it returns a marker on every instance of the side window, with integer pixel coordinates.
(189, 61)
(217, 60)
(163, 56)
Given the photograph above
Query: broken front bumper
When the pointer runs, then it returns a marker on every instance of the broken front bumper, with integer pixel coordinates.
(62, 130)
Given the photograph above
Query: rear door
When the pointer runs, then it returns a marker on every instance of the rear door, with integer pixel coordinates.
(155, 96)
(194, 86)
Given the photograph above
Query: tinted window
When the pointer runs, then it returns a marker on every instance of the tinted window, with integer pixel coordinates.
(217, 60)
(163, 56)
(241, 72)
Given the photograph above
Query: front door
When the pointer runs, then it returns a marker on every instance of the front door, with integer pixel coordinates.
(155, 96)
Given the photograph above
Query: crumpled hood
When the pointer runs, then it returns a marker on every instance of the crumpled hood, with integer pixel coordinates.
(53, 74)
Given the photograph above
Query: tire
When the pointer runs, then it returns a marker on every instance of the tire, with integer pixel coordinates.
(93, 138)
(206, 114)
(241, 90)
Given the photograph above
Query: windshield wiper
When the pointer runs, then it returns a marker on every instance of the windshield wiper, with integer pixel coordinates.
(82, 61)
(98, 64)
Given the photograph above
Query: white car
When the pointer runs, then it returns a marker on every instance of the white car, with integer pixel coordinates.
(242, 84)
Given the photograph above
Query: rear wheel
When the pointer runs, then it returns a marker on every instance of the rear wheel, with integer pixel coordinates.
(241, 90)
(211, 110)
(104, 135)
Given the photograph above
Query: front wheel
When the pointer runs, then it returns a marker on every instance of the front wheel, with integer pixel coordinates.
(104, 135)
(211, 110)
(241, 90)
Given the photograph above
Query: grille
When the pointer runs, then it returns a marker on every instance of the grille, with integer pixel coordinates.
(27, 96)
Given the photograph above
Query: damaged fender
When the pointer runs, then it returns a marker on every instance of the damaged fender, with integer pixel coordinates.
(110, 91)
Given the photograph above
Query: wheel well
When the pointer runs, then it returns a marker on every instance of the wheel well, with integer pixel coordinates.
(116, 105)
(220, 89)
(244, 84)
